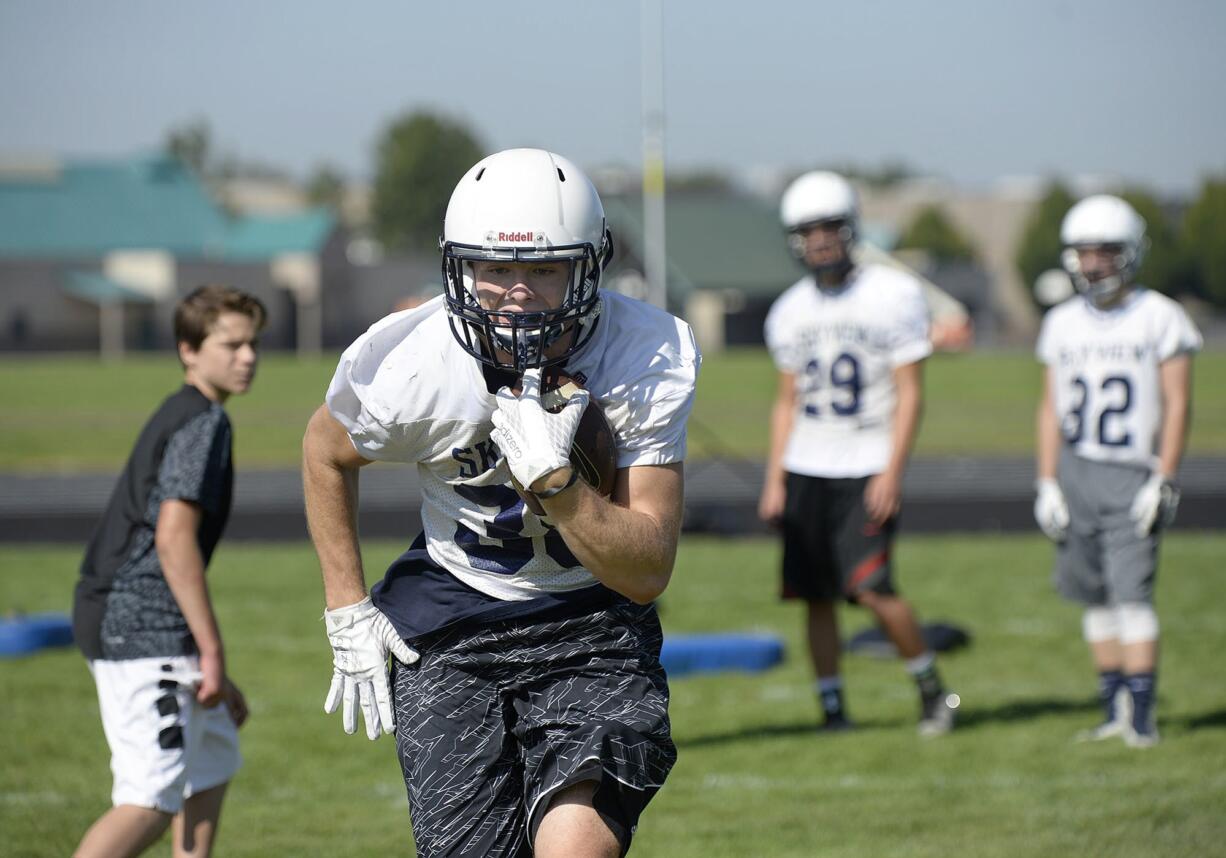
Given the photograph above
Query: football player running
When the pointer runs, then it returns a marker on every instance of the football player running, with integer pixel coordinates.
(526, 694)
(1112, 423)
(849, 341)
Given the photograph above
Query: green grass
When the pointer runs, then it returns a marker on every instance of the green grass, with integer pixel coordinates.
(753, 778)
(74, 413)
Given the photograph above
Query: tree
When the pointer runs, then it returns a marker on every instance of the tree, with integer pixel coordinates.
(1161, 268)
(326, 187)
(932, 231)
(192, 144)
(420, 158)
(698, 181)
(1204, 240)
(1040, 246)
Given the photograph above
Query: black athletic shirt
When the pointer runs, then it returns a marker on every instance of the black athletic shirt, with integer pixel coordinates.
(123, 607)
(421, 598)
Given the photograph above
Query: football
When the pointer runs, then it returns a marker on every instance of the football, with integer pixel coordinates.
(593, 453)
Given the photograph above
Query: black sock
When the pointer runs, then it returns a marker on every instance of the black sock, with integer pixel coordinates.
(1109, 682)
(1142, 686)
(929, 683)
(831, 699)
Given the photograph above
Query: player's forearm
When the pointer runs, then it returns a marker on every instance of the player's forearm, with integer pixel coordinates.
(1176, 405)
(908, 408)
(330, 490)
(1174, 435)
(627, 551)
(183, 568)
(1047, 438)
(782, 416)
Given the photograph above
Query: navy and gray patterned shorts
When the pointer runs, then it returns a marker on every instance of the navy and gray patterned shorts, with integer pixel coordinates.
(492, 722)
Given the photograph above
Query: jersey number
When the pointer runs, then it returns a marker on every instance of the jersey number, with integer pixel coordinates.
(1115, 388)
(844, 376)
(504, 549)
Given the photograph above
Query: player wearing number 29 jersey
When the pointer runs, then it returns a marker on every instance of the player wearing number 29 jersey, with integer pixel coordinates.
(843, 346)
(848, 341)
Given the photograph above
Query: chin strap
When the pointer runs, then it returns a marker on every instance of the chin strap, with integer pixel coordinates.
(841, 269)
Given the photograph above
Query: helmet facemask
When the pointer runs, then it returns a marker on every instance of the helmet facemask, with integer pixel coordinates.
(1103, 288)
(518, 341)
(836, 270)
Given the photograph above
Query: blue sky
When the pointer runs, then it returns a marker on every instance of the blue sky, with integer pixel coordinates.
(972, 91)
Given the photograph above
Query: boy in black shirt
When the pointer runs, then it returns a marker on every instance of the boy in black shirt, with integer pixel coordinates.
(142, 614)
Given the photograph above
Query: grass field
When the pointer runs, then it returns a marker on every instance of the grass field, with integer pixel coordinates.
(753, 778)
(71, 414)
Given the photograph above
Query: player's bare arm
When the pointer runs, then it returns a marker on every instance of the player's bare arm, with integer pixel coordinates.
(883, 494)
(1047, 430)
(1175, 380)
(628, 542)
(783, 413)
(183, 566)
(330, 486)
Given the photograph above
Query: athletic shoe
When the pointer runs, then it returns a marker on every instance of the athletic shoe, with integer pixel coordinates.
(1146, 737)
(1104, 731)
(1117, 726)
(836, 724)
(938, 714)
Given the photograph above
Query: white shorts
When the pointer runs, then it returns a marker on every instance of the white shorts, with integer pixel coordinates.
(164, 745)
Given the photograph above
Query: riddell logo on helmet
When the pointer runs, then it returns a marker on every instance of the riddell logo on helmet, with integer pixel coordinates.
(517, 236)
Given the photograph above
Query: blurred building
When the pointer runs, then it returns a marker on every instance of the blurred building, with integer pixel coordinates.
(95, 254)
(728, 261)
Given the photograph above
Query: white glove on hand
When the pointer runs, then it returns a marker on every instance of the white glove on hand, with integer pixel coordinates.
(361, 637)
(1154, 506)
(534, 441)
(1051, 509)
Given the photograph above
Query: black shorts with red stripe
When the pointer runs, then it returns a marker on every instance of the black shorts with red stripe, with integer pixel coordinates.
(830, 549)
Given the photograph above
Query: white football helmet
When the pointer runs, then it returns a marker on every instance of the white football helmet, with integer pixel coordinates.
(524, 205)
(815, 198)
(1108, 222)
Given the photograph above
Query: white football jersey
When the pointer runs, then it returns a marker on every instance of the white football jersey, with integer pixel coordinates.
(843, 347)
(406, 392)
(1104, 370)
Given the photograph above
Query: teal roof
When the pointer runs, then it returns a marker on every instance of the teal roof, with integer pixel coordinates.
(89, 208)
(100, 289)
(263, 237)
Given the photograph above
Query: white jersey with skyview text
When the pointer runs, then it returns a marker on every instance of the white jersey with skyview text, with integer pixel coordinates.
(405, 391)
(843, 347)
(1104, 371)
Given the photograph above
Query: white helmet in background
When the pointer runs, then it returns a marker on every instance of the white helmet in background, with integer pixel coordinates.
(1103, 221)
(815, 198)
(524, 205)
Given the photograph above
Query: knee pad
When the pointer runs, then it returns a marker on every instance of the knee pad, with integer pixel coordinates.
(1099, 624)
(1138, 622)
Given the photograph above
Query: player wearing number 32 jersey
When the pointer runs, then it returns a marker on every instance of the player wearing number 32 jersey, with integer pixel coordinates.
(1111, 427)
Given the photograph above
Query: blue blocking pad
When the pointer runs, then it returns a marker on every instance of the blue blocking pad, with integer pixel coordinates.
(682, 654)
(23, 635)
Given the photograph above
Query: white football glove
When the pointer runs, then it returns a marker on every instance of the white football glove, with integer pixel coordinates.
(1051, 509)
(535, 442)
(361, 637)
(1155, 504)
